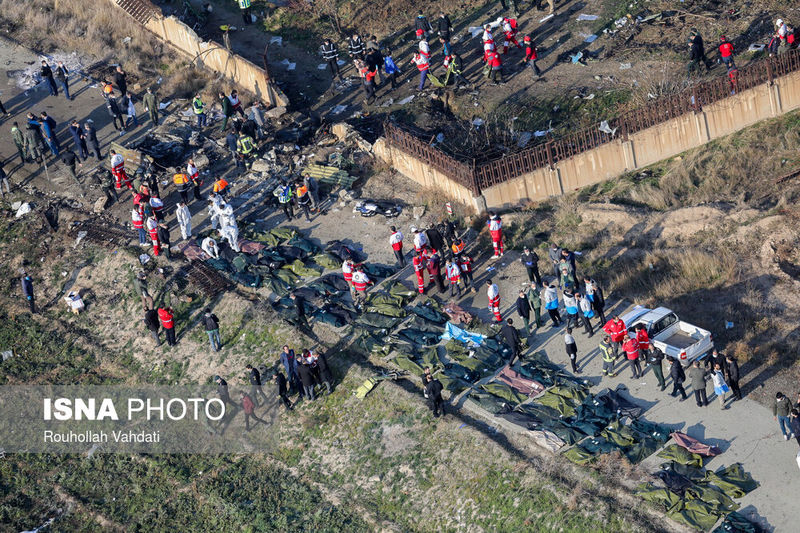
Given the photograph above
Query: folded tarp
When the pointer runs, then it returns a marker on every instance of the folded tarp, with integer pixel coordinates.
(695, 513)
(421, 324)
(396, 288)
(655, 431)
(733, 480)
(489, 402)
(388, 310)
(288, 277)
(342, 251)
(384, 298)
(556, 401)
(418, 337)
(276, 285)
(330, 283)
(271, 238)
(620, 434)
(303, 270)
(721, 502)
(572, 391)
(456, 314)
(599, 445)
(376, 320)
(367, 343)
(327, 260)
(641, 450)
(502, 390)
(430, 357)
(429, 311)
(617, 403)
(736, 523)
(681, 455)
(689, 472)
(451, 331)
(666, 498)
(693, 445)
(452, 383)
(514, 379)
(304, 244)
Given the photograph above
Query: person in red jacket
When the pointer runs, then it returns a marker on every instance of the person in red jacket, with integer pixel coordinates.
(167, 318)
(465, 262)
(616, 330)
(493, 293)
(496, 231)
(631, 347)
(419, 270)
(396, 240)
(643, 339)
(726, 52)
(531, 56)
(249, 409)
(496, 66)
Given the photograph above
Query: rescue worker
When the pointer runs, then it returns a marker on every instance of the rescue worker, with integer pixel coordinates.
(420, 240)
(244, 7)
(313, 191)
(433, 391)
(511, 336)
(184, 218)
(434, 264)
(367, 74)
(303, 200)
(19, 142)
(419, 269)
(465, 262)
(493, 294)
(91, 139)
(138, 224)
(631, 347)
(118, 170)
(697, 52)
(654, 358)
(616, 330)
(396, 242)
(510, 32)
(220, 187)
(152, 323)
(495, 66)
(214, 203)
(194, 177)
(167, 318)
(355, 47)
(678, 377)
(209, 246)
(726, 52)
(457, 247)
(348, 268)
(199, 109)
(454, 277)
(531, 263)
(608, 356)
(244, 148)
(227, 109)
(551, 304)
(330, 53)
(228, 227)
(33, 143)
(643, 339)
(531, 55)
(182, 183)
(157, 205)
(150, 103)
(284, 194)
(152, 228)
(79, 138)
(496, 232)
(422, 60)
(534, 298)
(487, 36)
(360, 283)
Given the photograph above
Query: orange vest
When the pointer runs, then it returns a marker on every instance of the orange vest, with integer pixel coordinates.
(220, 185)
(166, 319)
(180, 179)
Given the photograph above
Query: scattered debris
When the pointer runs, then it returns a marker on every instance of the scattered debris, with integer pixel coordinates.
(620, 22)
(79, 238)
(583, 16)
(338, 109)
(548, 17)
(23, 210)
(756, 47)
(8, 354)
(524, 139)
(30, 78)
(605, 128)
(477, 122)
(322, 66)
(330, 175)
(590, 39)
(406, 100)
(276, 39)
(144, 259)
(418, 212)
(625, 66)
(370, 208)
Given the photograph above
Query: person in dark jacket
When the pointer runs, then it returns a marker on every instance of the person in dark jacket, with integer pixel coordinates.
(715, 358)
(325, 371)
(62, 76)
(70, 161)
(794, 424)
(678, 377)
(211, 323)
(732, 375)
(79, 138)
(249, 407)
(531, 263)
(306, 379)
(330, 53)
(374, 61)
(697, 375)
(654, 358)
(697, 53)
(300, 311)
(435, 239)
(121, 81)
(781, 408)
(227, 110)
(443, 26)
(433, 390)
(27, 291)
(511, 336)
(255, 383)
(281, 389)
(152, 323)
(116, 114)
(222, 391)
(163, 238)
(572, 350)
(47, 74)
(422, 27)
(355, 47)
(524, 311)
(91, 139)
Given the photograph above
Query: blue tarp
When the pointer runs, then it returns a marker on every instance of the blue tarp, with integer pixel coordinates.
(452, 331)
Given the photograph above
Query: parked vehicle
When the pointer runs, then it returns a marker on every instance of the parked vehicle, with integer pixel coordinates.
(677, 339)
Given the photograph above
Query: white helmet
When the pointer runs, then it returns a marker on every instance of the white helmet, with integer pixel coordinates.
(779, 22)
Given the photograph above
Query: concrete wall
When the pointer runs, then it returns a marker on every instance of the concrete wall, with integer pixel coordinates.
(214, 56)
(651, 145)
(615, 158)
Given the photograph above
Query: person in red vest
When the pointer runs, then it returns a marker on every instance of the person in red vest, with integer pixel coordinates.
(616, 330)
(422, 60)
(643, 339)
(360, 282)
(631, 347)
(510, 31)
(495, 65)
(396, 240)
(493, 293)
(152, 229)
(419, 269)
(531, 55)
(726, 52)
(347, 271)
(453, 272)
(167, 318)
(465, 262)
(496, 231)
(118, 171)
(138, 225)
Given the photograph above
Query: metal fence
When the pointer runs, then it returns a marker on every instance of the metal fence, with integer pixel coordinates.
(691, 99)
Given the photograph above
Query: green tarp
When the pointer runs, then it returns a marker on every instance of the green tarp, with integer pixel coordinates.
(302, 270)
(681, 455)
(696, 514)
(327, 260)
(691, 473)
(557, 402)
(721, 502)
(598, 445)
(579, 456)
(567, 434)
(367, 343)
(641, 450)
(417, 337)
(304, 244)
(384, 298)
(504, 391)
(733, 480)
(735, 523)
(287, 276)
(273, 237)
(277, 285)
(430, 357)
(395, 288)
(665, 497)
(374, 271)
(408, 364)
(654, 431)
(376, 320)
(387, 310)
(428, 312)
(620, 434)
(489, 402)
